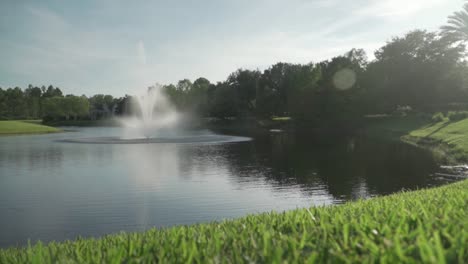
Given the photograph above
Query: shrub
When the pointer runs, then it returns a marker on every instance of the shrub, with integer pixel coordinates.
(457, 116)
(437, 117)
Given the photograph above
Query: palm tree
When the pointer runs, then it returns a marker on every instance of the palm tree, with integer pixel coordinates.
(457, 24)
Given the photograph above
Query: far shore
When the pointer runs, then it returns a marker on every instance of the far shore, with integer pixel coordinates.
(22, 127)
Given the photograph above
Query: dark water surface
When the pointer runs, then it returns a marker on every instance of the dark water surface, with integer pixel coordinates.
(52, 190)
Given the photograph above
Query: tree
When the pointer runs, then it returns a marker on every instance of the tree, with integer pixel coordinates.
(102, 106)
(457, 24)
(358, 57)
(123, 105)
(33, 99)
(333, 101)
(77, 106)
(51, 91)
(271, 91)
(198, 96)
(184, 85)
(245, 82)
(179, 94)
(3, 106)
(223, 103)
(301, 81)
(175, 96)
(15, 103)
(53, 108)
(421, 69)
(58, 107)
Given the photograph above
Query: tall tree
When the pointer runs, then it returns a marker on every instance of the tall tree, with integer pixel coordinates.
(33, 99)
(421, 69)
(198, 96)
(223, 103)
(3, 106)
(457, 24)
(245, 82)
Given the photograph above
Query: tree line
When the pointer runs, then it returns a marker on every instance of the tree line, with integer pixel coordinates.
(423, 71)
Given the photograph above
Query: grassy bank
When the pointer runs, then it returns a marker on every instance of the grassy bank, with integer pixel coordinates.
(422, 226)
(447, 139)
(25, 127)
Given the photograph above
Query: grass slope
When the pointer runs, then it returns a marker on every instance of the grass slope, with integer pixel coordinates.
(454, 135)
(24, 127)
(447, 139)
(429, 226)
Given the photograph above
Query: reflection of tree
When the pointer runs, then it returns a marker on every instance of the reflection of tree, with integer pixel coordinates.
(384, 167)
(397, 166)
(30, 156)
(346, 168)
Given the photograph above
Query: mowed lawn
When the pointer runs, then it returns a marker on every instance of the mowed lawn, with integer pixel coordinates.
(24, 127)
(454, 134)
(446, 138)
(424, 226)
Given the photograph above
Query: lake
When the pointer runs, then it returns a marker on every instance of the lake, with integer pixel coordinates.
(55, 190)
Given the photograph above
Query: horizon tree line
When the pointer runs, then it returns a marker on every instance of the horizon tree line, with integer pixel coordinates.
(424, 71)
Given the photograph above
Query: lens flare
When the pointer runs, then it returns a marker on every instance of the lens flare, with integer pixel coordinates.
(344, 79)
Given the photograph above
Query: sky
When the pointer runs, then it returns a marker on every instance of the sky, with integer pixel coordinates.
(116, 47)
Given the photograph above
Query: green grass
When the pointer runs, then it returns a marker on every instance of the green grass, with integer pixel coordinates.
(429, 226)
(24, 127)
(394, 127)
(454, 135)
(447, 139)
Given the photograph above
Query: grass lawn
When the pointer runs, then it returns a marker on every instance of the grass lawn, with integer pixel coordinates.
(429, 226)
(452, 134)
(394, 127)
(24, 127)
(446, 138)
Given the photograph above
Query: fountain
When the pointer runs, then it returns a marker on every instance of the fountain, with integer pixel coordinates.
(156, 120)
(154, 113)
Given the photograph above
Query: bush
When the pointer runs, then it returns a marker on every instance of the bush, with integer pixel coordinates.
(457, 116)
(437, 117)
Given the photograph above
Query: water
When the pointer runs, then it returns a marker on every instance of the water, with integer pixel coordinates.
(52, 190)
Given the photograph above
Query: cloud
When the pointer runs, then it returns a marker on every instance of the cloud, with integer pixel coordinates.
(396, 8)
(44, 16)
(223, 56)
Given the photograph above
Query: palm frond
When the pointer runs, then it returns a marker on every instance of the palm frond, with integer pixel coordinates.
(457, 24)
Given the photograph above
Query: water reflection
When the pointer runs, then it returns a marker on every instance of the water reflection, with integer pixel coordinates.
(348, 168)
(54, 191)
